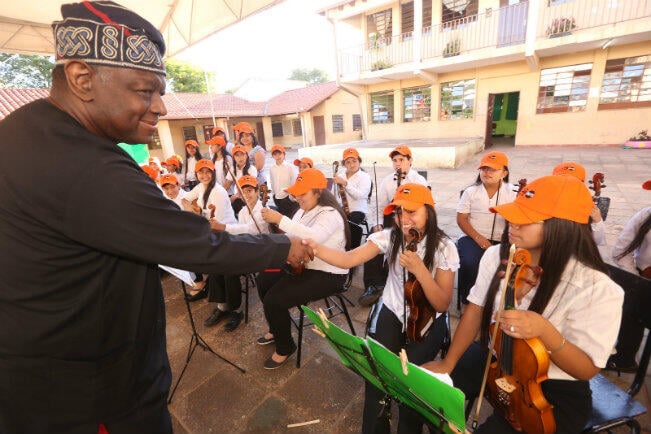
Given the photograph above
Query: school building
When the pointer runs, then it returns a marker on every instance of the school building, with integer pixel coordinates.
(537, 72)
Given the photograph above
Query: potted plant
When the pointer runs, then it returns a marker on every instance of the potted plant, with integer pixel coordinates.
(640, 140)
(561, 27)
(452, 48)
(380, 64)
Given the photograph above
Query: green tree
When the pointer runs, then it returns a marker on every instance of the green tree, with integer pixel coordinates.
(312, 76)
(26, 71)
(184, 77)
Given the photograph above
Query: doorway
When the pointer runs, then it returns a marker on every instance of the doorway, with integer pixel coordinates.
(319, 130)
(502, 118)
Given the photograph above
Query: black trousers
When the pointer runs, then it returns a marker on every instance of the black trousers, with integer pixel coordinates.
(280, 291)
(225, 289)
(572, 400)
(286, 206)
(355, 219)
(375, 270)
(389, 333)
(634, 317)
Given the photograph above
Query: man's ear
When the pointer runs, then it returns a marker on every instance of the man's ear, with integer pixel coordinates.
(79, 76)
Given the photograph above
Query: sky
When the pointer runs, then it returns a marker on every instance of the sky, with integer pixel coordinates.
(270, 44)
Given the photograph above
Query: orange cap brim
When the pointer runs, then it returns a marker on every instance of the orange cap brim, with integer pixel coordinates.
(517, 214)
(491, 165)
(298, 189)
(406, 204)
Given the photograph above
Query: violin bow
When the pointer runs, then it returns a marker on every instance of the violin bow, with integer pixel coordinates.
(377, 210)
(505, 282)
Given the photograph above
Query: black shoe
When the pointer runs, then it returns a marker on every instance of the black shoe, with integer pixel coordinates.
(215, 317)
(270, 363)
(265, 341)
(371, 295)
(234, 319)
(198, 296)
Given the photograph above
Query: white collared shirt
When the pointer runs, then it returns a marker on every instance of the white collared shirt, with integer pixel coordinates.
(219, 198)
(357, 188)
(476, 203)
(389, 185)
(325, 226)
(179, 197)
(586, 307)
(246, 223)
(445, 258)
(640, 257)
(281, 177)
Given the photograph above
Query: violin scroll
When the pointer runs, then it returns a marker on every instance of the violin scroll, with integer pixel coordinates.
(597, 183)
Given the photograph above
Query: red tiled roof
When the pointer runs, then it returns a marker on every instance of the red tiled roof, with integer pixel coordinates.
(201, 105)
(12, 99)
(300, 100)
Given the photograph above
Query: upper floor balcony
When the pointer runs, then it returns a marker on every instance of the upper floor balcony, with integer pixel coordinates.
(527, 30)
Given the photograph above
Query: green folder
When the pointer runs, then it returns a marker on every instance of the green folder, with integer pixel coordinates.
(440, 404)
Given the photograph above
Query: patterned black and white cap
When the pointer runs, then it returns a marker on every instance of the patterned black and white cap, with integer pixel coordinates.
(106, 33)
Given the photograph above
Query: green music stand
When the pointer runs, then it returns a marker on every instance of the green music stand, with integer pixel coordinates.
(440, 404)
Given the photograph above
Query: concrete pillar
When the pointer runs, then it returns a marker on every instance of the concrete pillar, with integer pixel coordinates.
(268, 132)
(165, 136)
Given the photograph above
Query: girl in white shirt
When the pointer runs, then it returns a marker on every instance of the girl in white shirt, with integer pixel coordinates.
(319, 218)
(192, 155)
(222, 160)
(482, 228)
(433, 265)
(242, 167)
(572, 308)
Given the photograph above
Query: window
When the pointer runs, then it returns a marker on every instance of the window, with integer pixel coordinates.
(458, 12)
(357, 122)
(417, 104)
(407, 18)
(189, 133)
(564, 89)
(277, 129)
(337, 123)
(627, 83)
(155, 143)
(382, 107)
(207, 132)
(457, 99)
(379, 28)
(298, 128)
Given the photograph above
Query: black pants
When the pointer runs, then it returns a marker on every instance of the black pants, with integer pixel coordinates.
(355, 220)
(376, 270)
(280, 291)
(634, 316)
(286, 206)
(225, 289)
(389, 333)
(572, 400)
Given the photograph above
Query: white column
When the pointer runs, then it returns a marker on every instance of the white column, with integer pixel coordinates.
(165, 136)
(418, 31)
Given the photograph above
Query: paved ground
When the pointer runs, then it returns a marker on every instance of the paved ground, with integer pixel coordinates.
(214, 397)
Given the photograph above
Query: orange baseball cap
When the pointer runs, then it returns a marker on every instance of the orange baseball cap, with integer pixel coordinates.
(245, 127)
(247, 180)
(204, 162)
(410, 197)
(238, 148)
(570, 168)
(191, 143)
(237, 126)
(563, 197)
(495, 160)
(168, 179)
(306, 181)
(172, 161)
(304, 160)
(402, 150)
(350, 153)
(216, 140)
(216, 130)
(647, 185)
(153, 173)
(279, 148)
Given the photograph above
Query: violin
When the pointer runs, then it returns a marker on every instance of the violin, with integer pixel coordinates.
(522, 183)
(212, 208)
(340, 188)
(513, 380)
(421, 313)
(195, 207)
(603, 203)
(399, 176)
(264, 195)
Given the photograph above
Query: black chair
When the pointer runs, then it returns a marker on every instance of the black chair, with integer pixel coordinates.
(334, 302)
(611, 406)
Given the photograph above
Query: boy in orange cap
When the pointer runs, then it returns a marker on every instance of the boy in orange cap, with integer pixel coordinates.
(247, 223)
(282, 175)
(303, 163)
(576, 170)
(433, 265)
(374, 272)
(571, 307)
(356, 188)
(172, 189)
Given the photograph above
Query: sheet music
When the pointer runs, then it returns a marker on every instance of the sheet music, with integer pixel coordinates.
(185, 276)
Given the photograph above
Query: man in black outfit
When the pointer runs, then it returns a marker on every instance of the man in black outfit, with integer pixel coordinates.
(82, 346)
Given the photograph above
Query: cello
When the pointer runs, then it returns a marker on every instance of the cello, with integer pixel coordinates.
(603, 203)
(421, 313)
(513, 379)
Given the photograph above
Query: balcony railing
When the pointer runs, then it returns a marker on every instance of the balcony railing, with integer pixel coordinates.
(497, 28)
(561, 17)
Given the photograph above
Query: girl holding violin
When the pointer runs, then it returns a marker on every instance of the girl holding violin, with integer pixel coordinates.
(192, 156)
(565, 305)
(319, 218)
(432, 266)
(221, 159)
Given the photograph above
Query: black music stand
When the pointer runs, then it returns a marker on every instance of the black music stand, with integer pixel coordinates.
(195, 340)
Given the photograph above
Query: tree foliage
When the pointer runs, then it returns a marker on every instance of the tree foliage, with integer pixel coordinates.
(26, 71)
(184, 77)
(312, 76)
